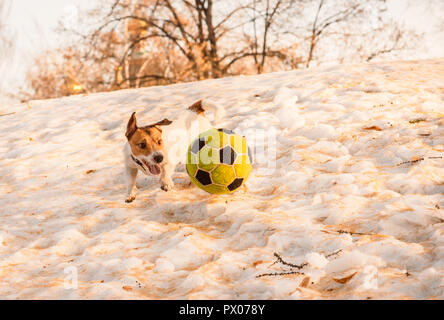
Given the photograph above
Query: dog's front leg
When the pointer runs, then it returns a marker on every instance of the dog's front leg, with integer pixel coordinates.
(166, 182)
(131, 189)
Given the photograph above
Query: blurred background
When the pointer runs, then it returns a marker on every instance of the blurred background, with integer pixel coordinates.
(55, 48)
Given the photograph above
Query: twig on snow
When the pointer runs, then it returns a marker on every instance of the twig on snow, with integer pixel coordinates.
(273, 274)
(280, 260)
(417, 160)
(334, 253)
(6, 114)
(417, 120)
(354, 233)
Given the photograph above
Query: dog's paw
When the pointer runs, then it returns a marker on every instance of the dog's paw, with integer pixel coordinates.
(166, 186)
(130, 199)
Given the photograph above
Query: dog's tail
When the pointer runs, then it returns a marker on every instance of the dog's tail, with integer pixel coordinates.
(201, 106)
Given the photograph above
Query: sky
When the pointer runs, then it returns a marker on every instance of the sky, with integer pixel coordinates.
(33, 24)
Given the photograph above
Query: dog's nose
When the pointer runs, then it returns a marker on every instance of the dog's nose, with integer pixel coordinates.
(158, 158)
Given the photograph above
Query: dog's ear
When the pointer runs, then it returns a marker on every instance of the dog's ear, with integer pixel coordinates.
(131, 127)
(164, 122)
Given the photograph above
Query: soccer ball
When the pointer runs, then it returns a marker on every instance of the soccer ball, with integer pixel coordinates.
(219, 161)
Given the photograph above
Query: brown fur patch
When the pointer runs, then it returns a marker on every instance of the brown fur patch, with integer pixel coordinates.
(164, 122)
(197, 107)
(152, 138)
(147, 139)
(131, 127)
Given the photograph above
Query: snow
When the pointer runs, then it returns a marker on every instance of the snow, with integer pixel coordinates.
(350, 185)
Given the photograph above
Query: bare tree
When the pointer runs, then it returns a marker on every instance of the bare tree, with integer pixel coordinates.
(192, 31)
(267, 14)
(139, 43)
(321, 24)
(359, 28)
(5, 36)
(6, 39)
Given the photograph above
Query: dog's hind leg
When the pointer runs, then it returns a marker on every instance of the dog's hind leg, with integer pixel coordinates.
(130, 176)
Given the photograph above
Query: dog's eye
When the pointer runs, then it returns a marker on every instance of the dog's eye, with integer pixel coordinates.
(160, 142)
(142, 145)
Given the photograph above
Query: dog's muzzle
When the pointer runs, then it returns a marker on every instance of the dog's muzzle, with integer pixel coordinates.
(154, 169)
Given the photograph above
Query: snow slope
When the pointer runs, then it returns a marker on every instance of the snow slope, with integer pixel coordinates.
(339, 201)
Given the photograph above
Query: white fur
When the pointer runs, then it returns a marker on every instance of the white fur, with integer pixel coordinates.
(176, 138)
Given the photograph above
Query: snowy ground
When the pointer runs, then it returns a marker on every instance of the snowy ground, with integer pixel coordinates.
(363, 225)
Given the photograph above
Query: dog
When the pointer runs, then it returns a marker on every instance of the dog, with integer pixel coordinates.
(157, 149)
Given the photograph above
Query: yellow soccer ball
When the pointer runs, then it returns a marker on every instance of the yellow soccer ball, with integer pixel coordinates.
(219, 161)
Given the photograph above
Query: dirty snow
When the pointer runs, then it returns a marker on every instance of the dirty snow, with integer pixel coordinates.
(354, 193)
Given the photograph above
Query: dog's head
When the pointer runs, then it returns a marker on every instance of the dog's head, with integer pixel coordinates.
(146, 144)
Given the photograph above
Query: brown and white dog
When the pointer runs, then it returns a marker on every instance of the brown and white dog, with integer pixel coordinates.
(158, 148)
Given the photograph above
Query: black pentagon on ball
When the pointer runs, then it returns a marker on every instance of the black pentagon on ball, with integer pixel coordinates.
(226, 131)
(198, 145)
(227, 155)
(235, 184)
(203, 177)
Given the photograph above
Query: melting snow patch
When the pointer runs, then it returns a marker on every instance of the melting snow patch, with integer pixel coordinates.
(348, 168)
